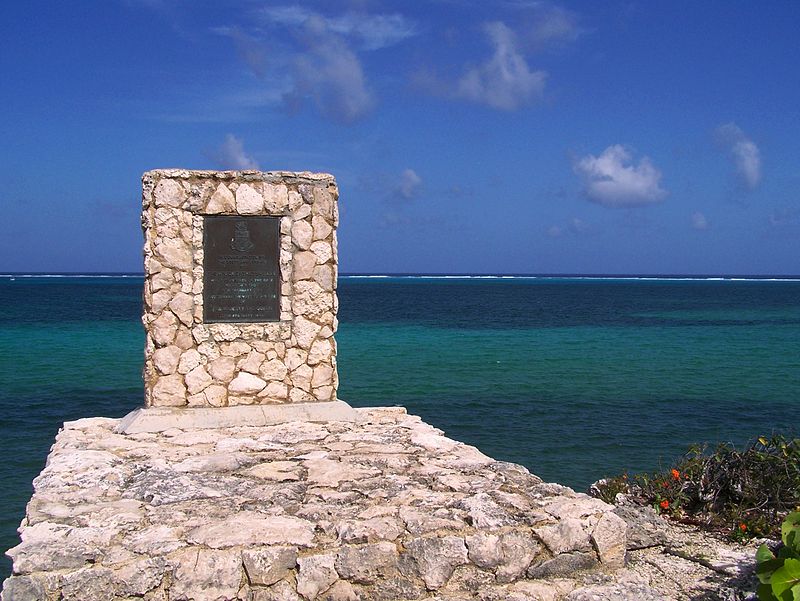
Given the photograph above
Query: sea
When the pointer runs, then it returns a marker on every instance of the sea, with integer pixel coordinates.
(574, 377)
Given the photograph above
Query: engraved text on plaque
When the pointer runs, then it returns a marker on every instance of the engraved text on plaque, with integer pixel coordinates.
(241, 269)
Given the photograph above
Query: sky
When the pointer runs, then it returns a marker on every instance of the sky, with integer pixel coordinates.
(506, 136)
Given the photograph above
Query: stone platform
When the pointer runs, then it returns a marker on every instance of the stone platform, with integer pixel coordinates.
(383, 508)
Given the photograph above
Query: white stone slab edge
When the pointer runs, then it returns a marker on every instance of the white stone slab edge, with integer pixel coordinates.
(158, 419)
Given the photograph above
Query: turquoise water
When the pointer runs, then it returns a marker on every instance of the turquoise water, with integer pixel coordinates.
(574, 378)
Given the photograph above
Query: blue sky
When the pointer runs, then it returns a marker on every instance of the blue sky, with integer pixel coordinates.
(466, 136)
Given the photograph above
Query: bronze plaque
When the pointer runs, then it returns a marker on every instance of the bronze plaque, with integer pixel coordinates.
(241, 269)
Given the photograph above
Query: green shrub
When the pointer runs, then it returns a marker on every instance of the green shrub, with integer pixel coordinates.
(743, 493)
(780, 574)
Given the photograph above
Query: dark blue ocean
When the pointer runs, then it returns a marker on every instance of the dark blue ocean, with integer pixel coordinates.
(575, 378)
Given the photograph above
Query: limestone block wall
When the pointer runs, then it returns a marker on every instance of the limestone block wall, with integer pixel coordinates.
(189, 362)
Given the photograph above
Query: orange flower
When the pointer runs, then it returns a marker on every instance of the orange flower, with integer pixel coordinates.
(676, 475)
(742, 526)
(664, 504)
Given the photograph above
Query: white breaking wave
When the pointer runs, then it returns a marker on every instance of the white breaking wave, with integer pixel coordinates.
(572, 277)
(459, 277)
(14, 276)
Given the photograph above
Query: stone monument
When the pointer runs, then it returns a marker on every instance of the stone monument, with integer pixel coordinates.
(240, 288)
(240, 312)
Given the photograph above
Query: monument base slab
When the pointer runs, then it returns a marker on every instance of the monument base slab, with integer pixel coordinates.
(383, 508)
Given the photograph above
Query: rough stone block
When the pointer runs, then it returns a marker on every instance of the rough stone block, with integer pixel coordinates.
(206, 574)
(436, 558)
(268, 565)
(222, 201)
(609, 538)
(315, 575)
(563, 565)
(366, 564)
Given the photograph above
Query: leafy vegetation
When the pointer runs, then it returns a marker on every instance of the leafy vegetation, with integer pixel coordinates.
(780, 574)
(743, 493)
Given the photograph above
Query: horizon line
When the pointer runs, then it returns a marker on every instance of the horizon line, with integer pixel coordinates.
(509, 275)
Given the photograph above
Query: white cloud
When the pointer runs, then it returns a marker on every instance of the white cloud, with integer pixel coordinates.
(395, 188)
(373, 31)
(315, 59)
(552, 25)
(287, 15)
(504, 81)
(250, 50)
(613, 180)
(379, 31)
(699, 221)
(545, 23)
(578, 225)
(394, 219)
(575, 226)
(231, 155)
(744, 153)
(409, 184)
(329, 74)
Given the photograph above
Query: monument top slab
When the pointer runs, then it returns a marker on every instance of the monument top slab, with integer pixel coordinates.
(244, 174)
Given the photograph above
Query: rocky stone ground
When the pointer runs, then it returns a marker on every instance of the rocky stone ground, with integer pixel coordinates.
(384, 509)
(684, 563)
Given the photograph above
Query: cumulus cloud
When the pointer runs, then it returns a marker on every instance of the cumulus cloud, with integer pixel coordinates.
(395, 188)
(575, 226)
(372, 31)
(249, 48)
(545, 24)
(409, 185)
(613, 180)
(699, 221)
(231, 155)
(578, 226)
(504, 81)
(552, 25)
(319, 61)
(394, 219)
(329, 73)
(744, 153)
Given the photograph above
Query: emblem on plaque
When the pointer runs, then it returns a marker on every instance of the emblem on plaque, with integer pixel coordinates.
(241, 238)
